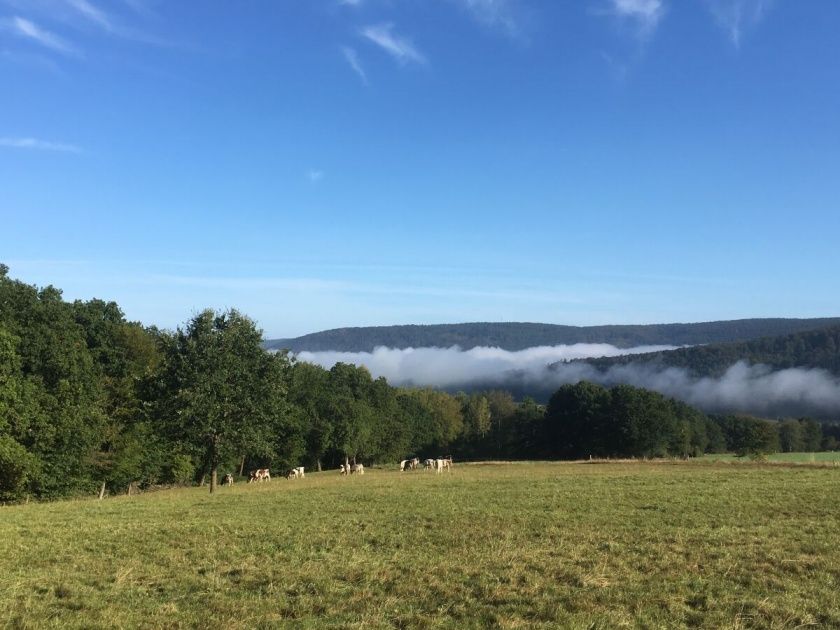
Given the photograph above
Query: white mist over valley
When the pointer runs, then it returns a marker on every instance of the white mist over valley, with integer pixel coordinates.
(540, 370)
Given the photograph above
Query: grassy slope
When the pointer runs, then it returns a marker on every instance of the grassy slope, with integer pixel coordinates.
(701, 544)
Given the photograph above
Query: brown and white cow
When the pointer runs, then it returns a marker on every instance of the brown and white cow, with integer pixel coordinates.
(295, 473)
(227, 480)
(260, 474)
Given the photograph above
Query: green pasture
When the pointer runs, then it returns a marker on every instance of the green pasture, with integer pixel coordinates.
(579, 545)
(796, 458)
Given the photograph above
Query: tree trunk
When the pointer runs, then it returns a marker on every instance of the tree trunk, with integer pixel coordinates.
(129, 488)
(102, 491)
(201, 483)
(214, 462)
(242, 466)
(318, 464)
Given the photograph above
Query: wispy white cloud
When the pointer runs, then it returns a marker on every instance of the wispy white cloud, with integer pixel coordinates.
(350, 3)
(28, 29)
(41, 145)
(352, 58)
(402, 49)
(497, 14)
(91, 13)
(644, 14)
(736, 15)
(315, 176)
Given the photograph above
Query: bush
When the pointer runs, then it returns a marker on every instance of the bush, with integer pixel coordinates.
(182, 470)
(17, 466)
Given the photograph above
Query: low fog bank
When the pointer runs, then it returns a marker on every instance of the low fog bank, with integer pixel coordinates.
(744, 388)
(454, 367)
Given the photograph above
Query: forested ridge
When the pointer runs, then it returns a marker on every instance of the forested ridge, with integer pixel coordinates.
(813, 349)
(518, 336)
(93, 403)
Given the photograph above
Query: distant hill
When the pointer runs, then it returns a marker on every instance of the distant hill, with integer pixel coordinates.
(518, 336)
(815, 348)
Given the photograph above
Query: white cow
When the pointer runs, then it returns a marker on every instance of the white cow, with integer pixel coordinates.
(344, 469)
(429, 464)
(357, 468)
(404, 464)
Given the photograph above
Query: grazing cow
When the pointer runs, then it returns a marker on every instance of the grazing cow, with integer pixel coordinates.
(429, 464)
(415, 462)
(404, 464)
(344, 469)
(357, 468)
(300, 472)
(260, 474)
(292, 473)
(227, 480)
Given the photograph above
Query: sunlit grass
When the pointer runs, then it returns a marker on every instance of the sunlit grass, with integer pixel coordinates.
(511, 546)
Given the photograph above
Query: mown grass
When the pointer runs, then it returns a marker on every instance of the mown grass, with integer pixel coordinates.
(512, 546)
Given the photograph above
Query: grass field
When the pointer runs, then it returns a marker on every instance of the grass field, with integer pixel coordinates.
(697, 544)
(796, 458)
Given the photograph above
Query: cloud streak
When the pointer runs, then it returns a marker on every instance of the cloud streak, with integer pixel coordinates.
(31, 31)
(497, 14)
(352, 58)
(40, 145)
(736, 15)
(400, 48)
(91, 13)
(644, 14)
(539, 371)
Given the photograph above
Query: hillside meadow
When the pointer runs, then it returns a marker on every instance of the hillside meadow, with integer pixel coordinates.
(602, 545)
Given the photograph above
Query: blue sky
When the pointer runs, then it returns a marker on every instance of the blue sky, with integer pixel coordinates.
(318, 163)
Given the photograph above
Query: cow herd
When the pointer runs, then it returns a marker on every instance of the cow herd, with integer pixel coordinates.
(263, 474)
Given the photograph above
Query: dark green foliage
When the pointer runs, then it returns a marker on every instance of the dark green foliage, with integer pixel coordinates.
(219, 390)
(790, 437)
(746, 435)
(518, 336)
(815, 349)
(812, 434)
(587, 420)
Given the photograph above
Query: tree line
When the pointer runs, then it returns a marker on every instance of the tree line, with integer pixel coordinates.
(93, 403)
